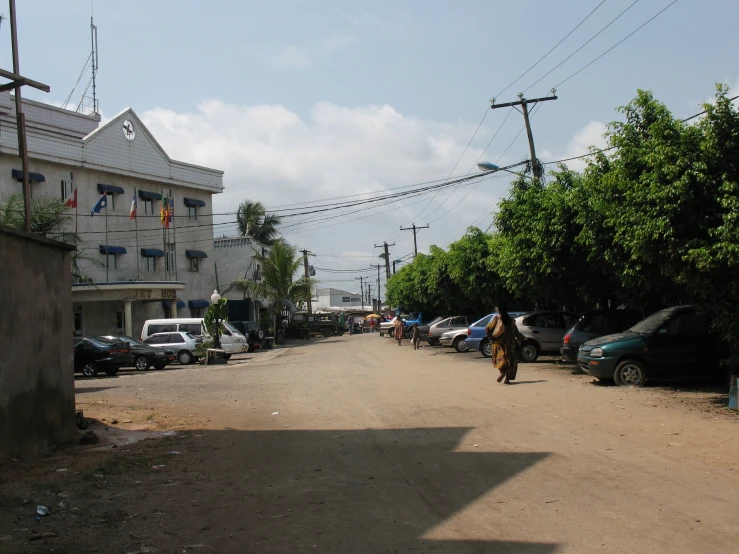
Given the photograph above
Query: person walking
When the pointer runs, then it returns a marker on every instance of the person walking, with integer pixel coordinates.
(504, 338)
(416, 336)
(372, 325)
(350, 324)
(398, 330)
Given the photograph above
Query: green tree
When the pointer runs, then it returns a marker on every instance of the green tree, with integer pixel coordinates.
(253, 221)
(280, 279)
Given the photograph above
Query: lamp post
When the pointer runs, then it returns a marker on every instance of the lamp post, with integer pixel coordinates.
(488, 167)
(214, 298)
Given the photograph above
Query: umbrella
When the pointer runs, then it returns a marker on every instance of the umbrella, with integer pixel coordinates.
(371, 315)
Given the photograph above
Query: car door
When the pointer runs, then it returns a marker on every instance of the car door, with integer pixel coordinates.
(177, 341)
(81, 354)
(458, 323)
(675, 348)
(548, 329)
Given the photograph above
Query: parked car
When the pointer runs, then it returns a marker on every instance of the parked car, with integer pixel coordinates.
(252, 331)
(146, 356)
(93, 354)
(593, 325)
(673, 344)
(425, 329)
(415, 318)
(387, 327)
(456, 339)
(544, 332)
(232, 341)
(456, 323)
(476, 338)
(184, 344)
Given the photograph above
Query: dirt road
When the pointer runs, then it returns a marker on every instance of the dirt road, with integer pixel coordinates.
(353, 444)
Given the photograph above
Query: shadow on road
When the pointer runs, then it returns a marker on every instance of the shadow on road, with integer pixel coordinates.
(529, 382)
(288, 491)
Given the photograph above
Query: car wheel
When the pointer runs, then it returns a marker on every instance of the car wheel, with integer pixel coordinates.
(630, 373)
(142, 363)
(227, 356)
(89, 370)
(251, 349)
(460, 345)
(327, 332)
(529, 352)
(486, 348)
(184, 357)
(407, 332)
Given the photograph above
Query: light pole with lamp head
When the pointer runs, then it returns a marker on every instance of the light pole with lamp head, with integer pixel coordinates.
(214, 298)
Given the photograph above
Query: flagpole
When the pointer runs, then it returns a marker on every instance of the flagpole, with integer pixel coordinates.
(107, 257)
(164, 242)
(174, 242)
(136, 223)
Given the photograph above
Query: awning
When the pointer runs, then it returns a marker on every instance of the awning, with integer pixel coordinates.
(193, 202)
(195, 254)
(35, 177)
(105, 249)
(144, 195)
(198, 303)
(152, 253)
(110, 189)
(166, 304)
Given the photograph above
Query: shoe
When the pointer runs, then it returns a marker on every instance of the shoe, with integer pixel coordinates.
(502, 375)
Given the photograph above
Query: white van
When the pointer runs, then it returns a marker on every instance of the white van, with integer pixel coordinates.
(232, 341)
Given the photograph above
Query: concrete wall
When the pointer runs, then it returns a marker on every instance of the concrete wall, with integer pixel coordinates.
(36, 373)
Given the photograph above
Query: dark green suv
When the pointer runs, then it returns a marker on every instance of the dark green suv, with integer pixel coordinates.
(673, 344)
(252, 331)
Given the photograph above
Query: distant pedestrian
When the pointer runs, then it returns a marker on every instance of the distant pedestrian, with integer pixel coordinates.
(350, 324)
(398, 326)
(372, 325)
(416, 336)
(504, 339)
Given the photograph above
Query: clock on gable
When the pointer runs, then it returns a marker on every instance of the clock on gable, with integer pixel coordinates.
(128, 130)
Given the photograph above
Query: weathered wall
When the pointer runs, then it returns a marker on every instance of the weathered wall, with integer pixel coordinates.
(36, 327)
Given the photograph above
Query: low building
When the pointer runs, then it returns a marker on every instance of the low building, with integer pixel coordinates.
(130, 269)
(326, 298)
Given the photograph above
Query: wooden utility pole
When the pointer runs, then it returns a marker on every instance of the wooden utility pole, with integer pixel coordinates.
(386, 257)
(17, 81)
(361, 288)
(306, 253)
(415, 230)
(378, 266)
(524, 103)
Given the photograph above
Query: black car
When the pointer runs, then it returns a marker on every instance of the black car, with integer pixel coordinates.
(93, 354)
(596, 324)
(146, 356)
(252, 331)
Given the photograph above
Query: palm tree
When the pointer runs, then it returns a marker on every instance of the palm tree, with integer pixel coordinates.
(280, 267)
(254, 221)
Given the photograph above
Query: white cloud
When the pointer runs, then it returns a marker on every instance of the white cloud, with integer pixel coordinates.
(338, 41)
(291, 56)
(590, 135)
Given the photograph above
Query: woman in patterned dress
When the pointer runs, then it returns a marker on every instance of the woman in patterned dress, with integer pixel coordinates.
(504, 338)
(399, 330)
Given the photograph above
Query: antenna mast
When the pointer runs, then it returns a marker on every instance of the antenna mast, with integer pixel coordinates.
(94, 44)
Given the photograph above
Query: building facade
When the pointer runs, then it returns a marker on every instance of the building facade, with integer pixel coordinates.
(131, 268)
(234, 258)
(326, 298)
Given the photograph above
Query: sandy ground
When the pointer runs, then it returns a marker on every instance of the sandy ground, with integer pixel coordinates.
(353, 444)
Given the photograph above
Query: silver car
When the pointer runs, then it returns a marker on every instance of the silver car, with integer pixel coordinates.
(184, 344)
(456, 323)
(456, 339)
(544, 332)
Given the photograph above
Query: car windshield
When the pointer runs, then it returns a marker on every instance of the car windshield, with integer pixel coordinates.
(594, 323)
(436, 320)
(652, 323)
(100, 342)
(483, 322)
(231, 328)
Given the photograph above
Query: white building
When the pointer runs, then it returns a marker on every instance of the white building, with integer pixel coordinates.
(336, 298)
(142, 271)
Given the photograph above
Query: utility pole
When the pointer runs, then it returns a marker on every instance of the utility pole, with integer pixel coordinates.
(361, 288)
(306, 253)
(379, 301)
(415, 230)
(524, 103)
(369, 293)
(386, 257)
(396, 262)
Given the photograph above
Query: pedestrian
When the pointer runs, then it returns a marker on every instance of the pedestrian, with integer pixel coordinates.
(398, 326)
(504, 338)
(416, 336)
(372, 325)
(350, 324)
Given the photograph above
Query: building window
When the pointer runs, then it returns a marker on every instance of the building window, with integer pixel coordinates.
(120, 322)
(169, 262)
(67, 186)
(78, 321)
(345, 299)
(195, 312)
(192, 213)
(356, 299)
(111, 201)
(111, 261)
(148, 206)
(150, 264)
(194, 265)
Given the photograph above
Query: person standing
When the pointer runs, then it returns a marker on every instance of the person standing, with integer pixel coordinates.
(504, 339)
(350, 324)
(398, 326)
(372, 325)
(416, 336)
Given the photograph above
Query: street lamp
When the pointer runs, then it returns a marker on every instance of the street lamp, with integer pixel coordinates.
(487, 166)
(214, 298)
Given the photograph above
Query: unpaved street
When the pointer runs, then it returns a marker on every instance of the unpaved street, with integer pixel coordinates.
(353, 444)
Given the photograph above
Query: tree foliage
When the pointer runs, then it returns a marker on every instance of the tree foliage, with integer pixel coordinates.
(253, 221)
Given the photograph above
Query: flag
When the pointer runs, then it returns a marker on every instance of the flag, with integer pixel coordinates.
(132, 213)
(164, 212)
(101, 203)
(170, 211)
(71, 200)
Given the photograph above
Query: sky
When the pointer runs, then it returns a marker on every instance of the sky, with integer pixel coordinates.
(304, 101)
